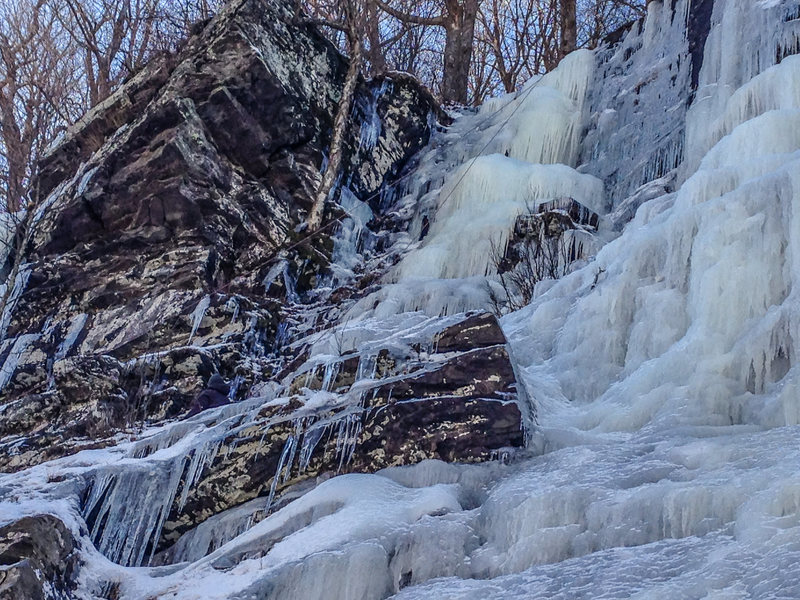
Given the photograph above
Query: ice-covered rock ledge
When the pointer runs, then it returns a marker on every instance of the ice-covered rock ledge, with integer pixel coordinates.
(447, 394)
(664, 370)
(406, 392)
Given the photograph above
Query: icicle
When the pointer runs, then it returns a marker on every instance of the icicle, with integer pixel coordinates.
(17, 351)
(290, 284)
(331, 371)
(129, 510)
(274, 272)
(311, 439)
(284, 467)
(233, 306)
(198, 314)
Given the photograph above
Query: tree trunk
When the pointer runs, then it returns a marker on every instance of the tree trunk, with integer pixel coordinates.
(459, 39)
(16, 154)
(377, 61)
(337, 140)
(569, 27)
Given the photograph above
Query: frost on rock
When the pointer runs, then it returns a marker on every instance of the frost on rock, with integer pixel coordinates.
(415, 389)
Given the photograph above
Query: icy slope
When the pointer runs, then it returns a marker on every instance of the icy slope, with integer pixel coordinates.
(606, 129)
(666, 370)
(664, 374)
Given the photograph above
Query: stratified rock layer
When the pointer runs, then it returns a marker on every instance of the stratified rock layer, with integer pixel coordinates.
(449, 396)
(455, 404)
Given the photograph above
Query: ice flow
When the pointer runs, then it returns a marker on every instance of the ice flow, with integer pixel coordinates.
(666, 461)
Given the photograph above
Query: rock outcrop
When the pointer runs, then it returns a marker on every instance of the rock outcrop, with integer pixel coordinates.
(168, 248)
(164, 208)
(455, 403)
(449, 396)
(38, 559)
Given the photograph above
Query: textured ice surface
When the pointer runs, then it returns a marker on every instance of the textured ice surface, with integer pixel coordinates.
(520, 152)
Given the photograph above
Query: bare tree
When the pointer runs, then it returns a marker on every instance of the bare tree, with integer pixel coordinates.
(458, 19)
(37, 93)
(504, 35)
(351, 25)
(115, 37)
(175, 20)
(543, 246)
(597, 18)
(375, 52)
(416, 49)
(519, 38)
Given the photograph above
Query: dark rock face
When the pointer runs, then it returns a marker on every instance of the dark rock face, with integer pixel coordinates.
(456, 403)
(477, 331)
(577, 212)
(539, 247)
(698, 28)
(38, 560)
(646, 141)
(166, 206)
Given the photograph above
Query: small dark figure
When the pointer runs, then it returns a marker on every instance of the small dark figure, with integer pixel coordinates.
(426, 226)
(215, 394)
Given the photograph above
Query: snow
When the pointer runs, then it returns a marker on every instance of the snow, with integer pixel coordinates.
(75, 328)
(18, 350)
(488, 194)
(347, 510)
(431, 296)
(528, 144)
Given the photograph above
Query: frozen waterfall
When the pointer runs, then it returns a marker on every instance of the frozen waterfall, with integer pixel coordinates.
(664, 370)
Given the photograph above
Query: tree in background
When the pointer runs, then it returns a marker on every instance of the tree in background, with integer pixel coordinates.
(496, 48)
(60, 57)
(457, 18)
(515, 40)
(113, 38)
(598, 18)
(39, 95)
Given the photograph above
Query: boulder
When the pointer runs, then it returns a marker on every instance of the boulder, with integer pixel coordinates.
(38, 559)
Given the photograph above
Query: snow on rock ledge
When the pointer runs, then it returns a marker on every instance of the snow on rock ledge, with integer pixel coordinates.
(451, 396)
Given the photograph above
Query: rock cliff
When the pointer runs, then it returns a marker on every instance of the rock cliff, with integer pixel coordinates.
(167, 248)
(630, 432)
(165, 207)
